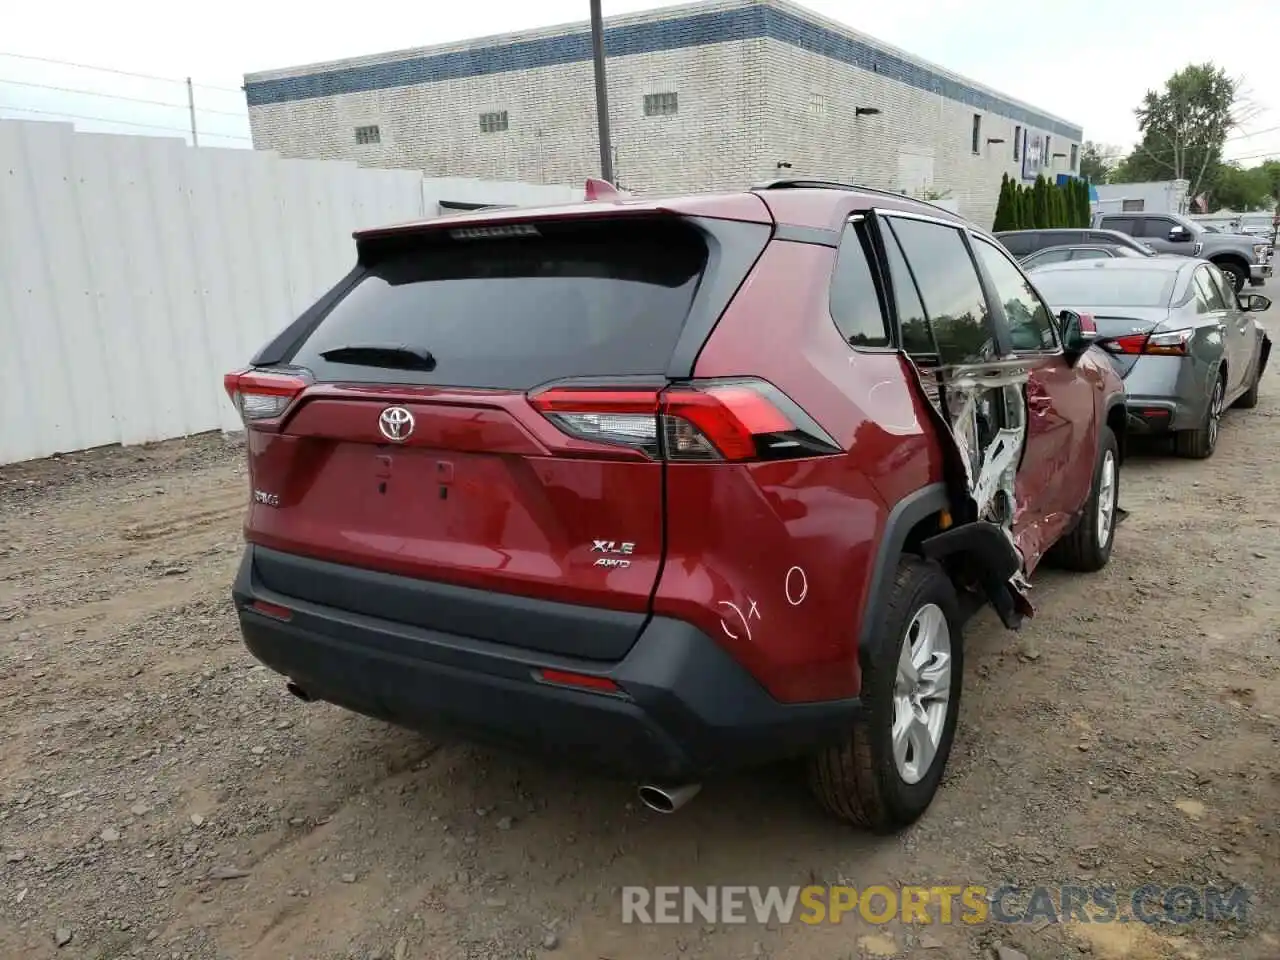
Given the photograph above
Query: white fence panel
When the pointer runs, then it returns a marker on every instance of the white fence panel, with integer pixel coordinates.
(135, 271)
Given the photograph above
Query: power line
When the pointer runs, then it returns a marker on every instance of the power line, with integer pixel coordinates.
(1266, 154)
(1255, 133)
(124, 123)
(118, 96)
(122, 73)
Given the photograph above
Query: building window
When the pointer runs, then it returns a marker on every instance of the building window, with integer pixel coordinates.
(977, 132)
(1017, 143)
(366, 135)
(660, 104)
(1075, 155)
(817, 105)
(1048, 153)
(493, 122)
(1132, 206)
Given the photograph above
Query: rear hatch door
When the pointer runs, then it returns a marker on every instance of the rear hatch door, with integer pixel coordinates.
(418, 449)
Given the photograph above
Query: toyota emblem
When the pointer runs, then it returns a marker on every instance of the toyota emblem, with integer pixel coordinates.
(396, 423)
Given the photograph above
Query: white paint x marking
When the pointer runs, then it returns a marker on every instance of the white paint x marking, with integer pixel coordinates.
(797, 586)
(752, 611)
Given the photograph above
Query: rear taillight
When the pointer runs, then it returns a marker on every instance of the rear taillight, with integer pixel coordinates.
(262, 395)
(1176, 343)
(734, 420)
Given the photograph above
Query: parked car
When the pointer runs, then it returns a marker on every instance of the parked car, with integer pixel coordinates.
(1079, 251)
(650, 486)
(1022, 243)
(1178, 333)
(1242, 258)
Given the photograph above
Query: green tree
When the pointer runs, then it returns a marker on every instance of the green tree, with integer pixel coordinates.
(1057, 217)
(1271, 173)
(1003, 213)
(1042, 215)
(1183, 128)
(1238, 189)
(1096, 162)
(1026, 211)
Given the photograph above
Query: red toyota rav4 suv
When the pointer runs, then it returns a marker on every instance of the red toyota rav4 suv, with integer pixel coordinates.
(671, 487)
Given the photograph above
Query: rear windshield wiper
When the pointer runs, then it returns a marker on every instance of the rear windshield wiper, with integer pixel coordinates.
(382, 355)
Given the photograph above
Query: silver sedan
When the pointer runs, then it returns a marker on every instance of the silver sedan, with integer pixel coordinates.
(1186, 345)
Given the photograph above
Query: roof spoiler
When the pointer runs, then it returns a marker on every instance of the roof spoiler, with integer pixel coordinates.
(603, 191)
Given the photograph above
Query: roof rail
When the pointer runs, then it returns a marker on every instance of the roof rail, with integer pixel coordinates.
(837, 185)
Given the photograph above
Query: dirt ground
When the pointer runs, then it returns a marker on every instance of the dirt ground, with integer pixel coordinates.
(162, 796)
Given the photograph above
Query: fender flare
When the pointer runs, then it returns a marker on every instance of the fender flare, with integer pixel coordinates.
(905, 514)
(1113, 402)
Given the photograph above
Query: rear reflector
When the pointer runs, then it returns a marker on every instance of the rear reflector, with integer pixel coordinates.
(261, 395)
(273, 610)
(563, 678)
(734, 420)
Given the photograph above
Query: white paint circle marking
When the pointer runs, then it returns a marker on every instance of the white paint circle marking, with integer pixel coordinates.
(792, 575)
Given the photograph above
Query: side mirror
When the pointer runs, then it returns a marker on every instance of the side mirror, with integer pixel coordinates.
(1078, 332)
(1254, 302)
(1179, 235)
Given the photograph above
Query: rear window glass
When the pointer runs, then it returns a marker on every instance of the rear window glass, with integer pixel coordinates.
(579, 299)
(1017, 244)
(1097, 286)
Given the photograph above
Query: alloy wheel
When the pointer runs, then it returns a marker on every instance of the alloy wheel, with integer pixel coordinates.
(921, 693)
(1106, 498)
(1215, 414)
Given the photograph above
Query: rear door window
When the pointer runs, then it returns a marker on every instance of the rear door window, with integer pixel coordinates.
(949, 289)
(855, 302)
(512, 312)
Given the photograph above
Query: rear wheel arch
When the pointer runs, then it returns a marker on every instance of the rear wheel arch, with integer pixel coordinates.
(1233, 262)
(1117, 419)
(910, 521)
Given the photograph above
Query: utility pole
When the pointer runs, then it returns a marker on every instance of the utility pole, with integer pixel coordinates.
(191, 107)
(602, 92)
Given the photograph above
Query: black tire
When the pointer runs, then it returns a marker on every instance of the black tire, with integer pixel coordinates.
(1249, 399)
(858, 780)
(1199, 444)
(1237, 274)
(1085, 549)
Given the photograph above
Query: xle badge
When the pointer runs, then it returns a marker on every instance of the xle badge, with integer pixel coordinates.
(617, 550)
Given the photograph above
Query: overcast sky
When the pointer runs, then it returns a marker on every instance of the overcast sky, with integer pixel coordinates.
(1089, 61)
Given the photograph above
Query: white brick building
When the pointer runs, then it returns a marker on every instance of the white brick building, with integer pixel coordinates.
(713, 95)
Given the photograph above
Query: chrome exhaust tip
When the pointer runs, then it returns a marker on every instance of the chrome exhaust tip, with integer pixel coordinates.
(667, 799)
(297, 691)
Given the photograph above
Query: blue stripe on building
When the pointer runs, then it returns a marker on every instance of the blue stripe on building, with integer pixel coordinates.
(745, 23)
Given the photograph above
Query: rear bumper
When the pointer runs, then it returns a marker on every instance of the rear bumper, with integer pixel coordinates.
(686, 708)
(1164, 394)
(1154, 417)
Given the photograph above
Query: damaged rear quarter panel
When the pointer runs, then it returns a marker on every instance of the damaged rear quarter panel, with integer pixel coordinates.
(738, 534)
